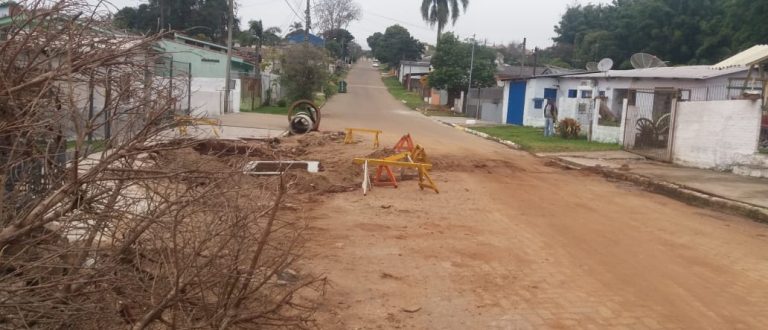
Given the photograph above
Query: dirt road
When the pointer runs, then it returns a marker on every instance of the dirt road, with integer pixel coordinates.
(513, 243)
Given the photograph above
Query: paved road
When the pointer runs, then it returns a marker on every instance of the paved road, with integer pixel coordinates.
(513, 243)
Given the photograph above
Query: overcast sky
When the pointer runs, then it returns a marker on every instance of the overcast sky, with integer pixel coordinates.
(498, 21)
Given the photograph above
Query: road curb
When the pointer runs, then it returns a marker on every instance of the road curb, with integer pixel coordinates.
(507, 143)
(676, 191)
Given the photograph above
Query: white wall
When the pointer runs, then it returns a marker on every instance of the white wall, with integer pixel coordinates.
(505, 102)
(535, 89)
(207, 98)
(569, 107)
(716, 134)
(606, 134)
(410, 69)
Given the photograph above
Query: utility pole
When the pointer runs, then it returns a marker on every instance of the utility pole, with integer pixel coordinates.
(471, 68)
(522, 61)
(308, 25)
(227, 78)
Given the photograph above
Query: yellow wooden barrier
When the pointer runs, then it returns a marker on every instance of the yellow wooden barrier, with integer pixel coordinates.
(425, 181)
(184, 121)
(349, 135)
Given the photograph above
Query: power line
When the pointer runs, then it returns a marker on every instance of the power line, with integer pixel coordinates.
(293, 10)
(397, 20)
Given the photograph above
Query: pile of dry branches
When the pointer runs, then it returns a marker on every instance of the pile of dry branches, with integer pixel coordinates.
(99, 226)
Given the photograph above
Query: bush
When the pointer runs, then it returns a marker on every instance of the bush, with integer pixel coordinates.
(305, 71)
(569, 128)
(282, 103)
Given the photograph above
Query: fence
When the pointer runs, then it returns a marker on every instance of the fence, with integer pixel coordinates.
(250, 91)
(485, 103)
(649, 124)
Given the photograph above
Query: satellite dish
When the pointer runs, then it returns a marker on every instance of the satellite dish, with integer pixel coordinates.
(605, 65)
(645, 61)
(592, 66)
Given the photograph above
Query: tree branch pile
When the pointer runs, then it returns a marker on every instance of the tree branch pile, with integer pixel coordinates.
(99, 228)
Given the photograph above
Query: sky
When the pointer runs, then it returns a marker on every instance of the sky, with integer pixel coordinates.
(497, 21)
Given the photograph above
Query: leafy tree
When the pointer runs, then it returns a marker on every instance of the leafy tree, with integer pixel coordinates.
(437, 12)
(305, 71)
(395, 45)
(452, 63)
(373, 41)
(272, 36)
(678, 31)
(296, 27)
(208, 17)
(337, 42)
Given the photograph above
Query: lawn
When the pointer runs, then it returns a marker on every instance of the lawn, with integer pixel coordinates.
(442, 113)
(533, 140)
(272, 110)
(412, 100)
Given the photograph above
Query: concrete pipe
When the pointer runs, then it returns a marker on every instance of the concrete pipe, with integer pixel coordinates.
(302, 124)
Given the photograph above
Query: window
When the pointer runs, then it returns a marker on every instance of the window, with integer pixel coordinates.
(601, 93)
(586, 94)
(538, 103)
(213, 60)
(572, 93)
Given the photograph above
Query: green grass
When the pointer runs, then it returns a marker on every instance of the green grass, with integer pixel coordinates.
(272, 110)
(412, 100)
(442, 113)
(95, 146)
(533, 140)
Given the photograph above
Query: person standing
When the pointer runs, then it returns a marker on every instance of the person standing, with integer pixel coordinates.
(550, 117)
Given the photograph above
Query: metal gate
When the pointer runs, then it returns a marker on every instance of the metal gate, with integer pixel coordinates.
(650, 122)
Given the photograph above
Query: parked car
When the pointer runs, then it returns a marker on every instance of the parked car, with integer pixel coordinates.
(375, 64)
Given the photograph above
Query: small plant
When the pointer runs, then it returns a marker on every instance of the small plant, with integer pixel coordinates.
(268, 97)
(282, 103)
(569, 128)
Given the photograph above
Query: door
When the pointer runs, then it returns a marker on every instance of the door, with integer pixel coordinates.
(516, 103)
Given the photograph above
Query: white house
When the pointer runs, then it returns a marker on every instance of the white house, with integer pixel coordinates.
(411, 67)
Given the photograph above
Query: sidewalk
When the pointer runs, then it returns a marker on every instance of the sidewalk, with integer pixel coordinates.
(728, 186)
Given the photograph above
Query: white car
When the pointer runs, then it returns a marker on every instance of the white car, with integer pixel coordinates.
(375, 65)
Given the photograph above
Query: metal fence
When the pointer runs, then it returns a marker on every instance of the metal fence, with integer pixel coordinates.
(650, 121)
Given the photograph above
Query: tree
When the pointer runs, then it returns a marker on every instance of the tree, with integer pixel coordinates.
(395, 45)
(305, 71)
(296, 27)
(272, 36)
(336, 14)
(337, 41)
(109, 219)
(452, 62)
(208, 17)
(437, 12)
(678, 31)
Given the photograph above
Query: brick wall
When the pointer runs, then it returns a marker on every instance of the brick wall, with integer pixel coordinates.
(716, 134)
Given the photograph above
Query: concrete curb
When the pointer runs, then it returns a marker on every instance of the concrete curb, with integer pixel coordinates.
(678, 192)
(507, 143)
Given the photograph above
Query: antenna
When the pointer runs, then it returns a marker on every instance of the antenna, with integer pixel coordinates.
(645, 61)
(592, 67)
(605, 65)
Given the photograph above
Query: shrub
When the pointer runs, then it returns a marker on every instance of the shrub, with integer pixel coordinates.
(569, 128)
(282, 103)
(305, 71)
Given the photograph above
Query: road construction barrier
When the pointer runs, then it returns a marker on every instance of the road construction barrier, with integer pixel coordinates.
(349, 135)
(385, 177)
(182, 122)
(404, 144)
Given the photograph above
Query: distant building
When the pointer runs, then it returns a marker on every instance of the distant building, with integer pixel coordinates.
(298, 38)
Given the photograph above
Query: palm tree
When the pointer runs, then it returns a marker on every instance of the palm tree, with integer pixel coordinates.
(257, 30)
(436, 12)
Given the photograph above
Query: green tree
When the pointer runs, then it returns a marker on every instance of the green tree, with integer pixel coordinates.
(437, 12)
(337, 42)
(452, 63)
(272, 36)
(305, 71)
(208, 17)
(395, 45)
